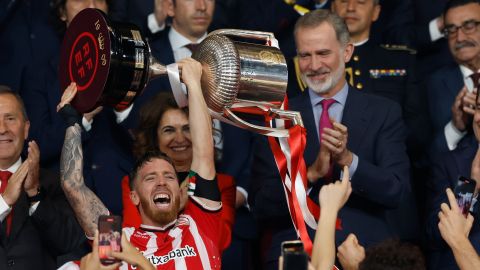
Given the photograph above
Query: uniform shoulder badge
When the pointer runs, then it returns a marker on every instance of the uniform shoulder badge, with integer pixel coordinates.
(393, 47)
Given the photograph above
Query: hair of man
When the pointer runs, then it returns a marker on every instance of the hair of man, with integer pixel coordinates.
(5, 90)
(317, 17)
(147, 157)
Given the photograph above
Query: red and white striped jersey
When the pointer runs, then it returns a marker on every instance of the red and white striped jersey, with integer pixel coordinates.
(190, 242)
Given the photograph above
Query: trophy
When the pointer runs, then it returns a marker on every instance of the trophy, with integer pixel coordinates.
(111, 64)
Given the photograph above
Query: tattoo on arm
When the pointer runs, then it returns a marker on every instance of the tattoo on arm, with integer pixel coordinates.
(87, 206)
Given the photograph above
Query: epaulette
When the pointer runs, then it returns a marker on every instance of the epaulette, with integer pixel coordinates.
(393, 47)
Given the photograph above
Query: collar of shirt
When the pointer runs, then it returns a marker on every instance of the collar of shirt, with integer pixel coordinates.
(335, 111)
(158, 228)
(15, 166)
(178, 42)
(466, 72)
(360, 43)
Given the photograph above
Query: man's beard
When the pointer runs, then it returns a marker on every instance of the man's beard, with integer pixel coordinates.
(322, 87)
(161, 217)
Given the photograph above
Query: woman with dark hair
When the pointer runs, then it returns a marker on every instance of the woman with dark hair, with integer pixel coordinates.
(148, 136)
(164, 126)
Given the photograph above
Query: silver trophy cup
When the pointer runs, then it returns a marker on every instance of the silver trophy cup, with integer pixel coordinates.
(240, 77)
(111, 63)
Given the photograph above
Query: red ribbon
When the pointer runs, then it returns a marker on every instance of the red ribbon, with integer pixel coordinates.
(296, 143)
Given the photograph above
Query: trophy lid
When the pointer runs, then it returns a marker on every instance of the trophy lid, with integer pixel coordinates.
(85, 58)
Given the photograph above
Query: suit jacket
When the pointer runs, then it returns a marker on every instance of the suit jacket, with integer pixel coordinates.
(376, 136)
(442, 88)
(431, 55)
(25, 36)
(135, 12)
(35, 241)
(445, 172)
(41, 93)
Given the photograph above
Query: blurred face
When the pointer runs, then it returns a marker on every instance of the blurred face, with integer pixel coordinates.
(157, 193)
(13, 130)
(174, 139)
(191, 18)
(465, 48)
(322, 59)
(73, 7)
(358, 15)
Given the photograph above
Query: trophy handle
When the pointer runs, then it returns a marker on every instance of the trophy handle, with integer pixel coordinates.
(268, 37)
(230, 117)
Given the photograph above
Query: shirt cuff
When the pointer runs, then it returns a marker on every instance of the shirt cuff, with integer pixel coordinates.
(352, 168)
(435, 33)
(87, 125)
(4, 209)
(453, 135)
(123, 114)
(33, 208)
(153, 24)
(245, 194)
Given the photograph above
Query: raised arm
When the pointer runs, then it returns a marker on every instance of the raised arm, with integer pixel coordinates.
(199, 120)
(332, 197)
(86, 205)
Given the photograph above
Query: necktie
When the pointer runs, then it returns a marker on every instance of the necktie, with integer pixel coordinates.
(325, 123)
(325, 117)
(476, 79)
(4, 176)
(192, 47)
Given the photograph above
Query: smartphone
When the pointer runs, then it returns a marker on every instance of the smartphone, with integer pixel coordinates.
(464, 193)
(109, 238)
(294, 256)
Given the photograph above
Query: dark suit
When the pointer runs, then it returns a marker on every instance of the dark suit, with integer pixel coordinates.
(41, 93)
(25, 36)
(445, 172)
(35, 241)
(135, 12)
(442, 88)
(431, 55)
(376, 136)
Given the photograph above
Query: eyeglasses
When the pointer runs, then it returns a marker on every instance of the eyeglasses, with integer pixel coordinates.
(467, 27)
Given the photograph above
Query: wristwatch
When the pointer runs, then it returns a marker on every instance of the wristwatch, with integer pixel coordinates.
(38, 197)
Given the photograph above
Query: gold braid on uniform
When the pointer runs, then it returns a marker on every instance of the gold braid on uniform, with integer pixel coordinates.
(393, 47)
(301, 84)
